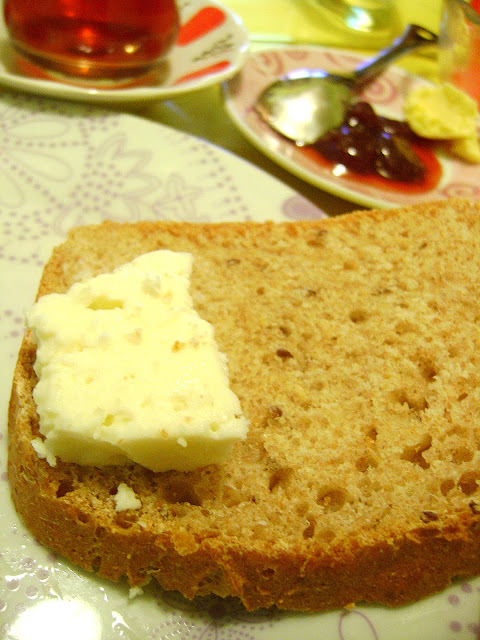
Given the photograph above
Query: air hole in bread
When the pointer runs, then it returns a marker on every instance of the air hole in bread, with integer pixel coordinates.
(325, 535)
(331, 498)
(358, 315)
(260, 291)
(302, 509)
(274, 412)
(318, 238)
(280, 478)
(474, 507)
(462, 454)
(458, 430)
(260, 531)
(309, 530)
(306, 335)
(180, 490)
(365, 461)
(446, 486)
(428, 370)
(214, 577)
(415, 400)
(178, 510)
(64, 487)
(462, 396)
(284, 354)
(453, 351)
(96, 563)
(469, 482)
(124, 521)
(285, 330)
(429, 516)
(83, 517)
(404, 326)
(317, 385)
(234, 495)
(414, 453)
(381, 291)
(268, 572)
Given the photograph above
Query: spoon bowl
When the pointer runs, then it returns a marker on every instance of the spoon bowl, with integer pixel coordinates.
(306, 103)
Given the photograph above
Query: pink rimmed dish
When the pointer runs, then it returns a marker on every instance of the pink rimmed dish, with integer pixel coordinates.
(386, 94)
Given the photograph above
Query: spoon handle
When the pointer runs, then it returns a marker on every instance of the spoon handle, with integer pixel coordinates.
(411, 38)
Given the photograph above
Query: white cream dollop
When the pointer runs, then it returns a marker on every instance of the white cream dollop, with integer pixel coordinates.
(128, 371)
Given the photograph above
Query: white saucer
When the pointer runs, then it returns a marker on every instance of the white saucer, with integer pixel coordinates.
(216, 53)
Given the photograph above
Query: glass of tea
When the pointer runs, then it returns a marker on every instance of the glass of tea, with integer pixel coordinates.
(459, 40)
(93, 38)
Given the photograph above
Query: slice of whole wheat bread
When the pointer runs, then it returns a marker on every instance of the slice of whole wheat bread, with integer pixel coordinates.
(353, 345)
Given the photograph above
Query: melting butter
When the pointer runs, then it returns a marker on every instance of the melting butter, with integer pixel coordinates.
(443, 112)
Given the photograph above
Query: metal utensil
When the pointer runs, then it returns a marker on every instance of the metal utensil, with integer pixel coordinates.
(305, 103)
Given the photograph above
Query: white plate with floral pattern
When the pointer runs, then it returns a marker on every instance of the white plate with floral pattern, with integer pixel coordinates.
(63, 164)
(212, 45)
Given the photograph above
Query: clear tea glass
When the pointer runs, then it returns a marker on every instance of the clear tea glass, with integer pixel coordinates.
(93, 38)
(459, 41)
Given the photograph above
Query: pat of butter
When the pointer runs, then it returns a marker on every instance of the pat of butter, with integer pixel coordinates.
(443, 112)
(128, 371)
(440, 112)
(467, 149)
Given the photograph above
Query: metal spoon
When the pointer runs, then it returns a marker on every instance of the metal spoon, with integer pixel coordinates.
(305, 103)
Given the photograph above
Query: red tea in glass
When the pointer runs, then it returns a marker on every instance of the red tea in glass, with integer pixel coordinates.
(93, 38)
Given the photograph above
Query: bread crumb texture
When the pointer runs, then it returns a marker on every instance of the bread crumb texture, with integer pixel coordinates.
(353, 345)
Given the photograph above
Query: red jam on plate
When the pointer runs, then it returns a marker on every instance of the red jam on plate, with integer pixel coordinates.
(379, 151)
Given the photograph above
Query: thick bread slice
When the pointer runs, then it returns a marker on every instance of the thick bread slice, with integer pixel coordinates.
(354, 347)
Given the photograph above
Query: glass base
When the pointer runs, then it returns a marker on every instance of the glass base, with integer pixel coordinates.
(84, 74)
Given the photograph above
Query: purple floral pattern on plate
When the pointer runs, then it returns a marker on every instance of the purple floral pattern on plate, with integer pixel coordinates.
(62, 165)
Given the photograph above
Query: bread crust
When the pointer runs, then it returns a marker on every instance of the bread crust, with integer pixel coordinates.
(275, 525)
